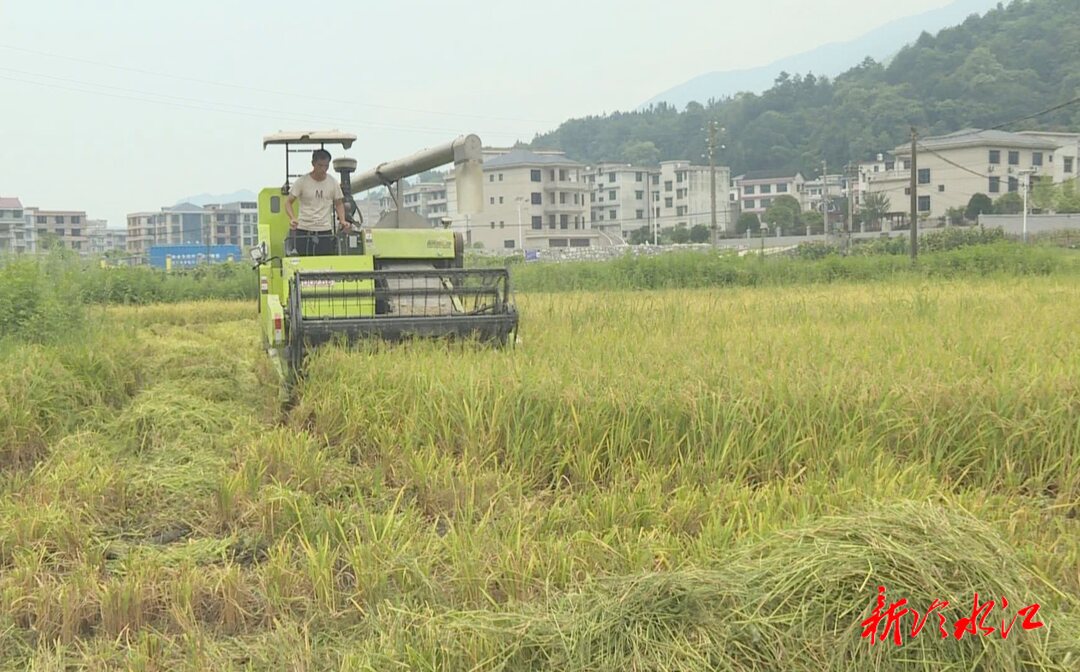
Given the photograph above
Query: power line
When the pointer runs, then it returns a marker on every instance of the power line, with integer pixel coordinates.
(976, 174)
(270, 91)
(1037, 114)
(210, 106)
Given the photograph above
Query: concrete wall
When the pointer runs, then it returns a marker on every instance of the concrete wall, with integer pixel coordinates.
(1014, 224)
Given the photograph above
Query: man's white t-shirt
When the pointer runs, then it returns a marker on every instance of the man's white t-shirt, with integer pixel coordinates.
(316, 202)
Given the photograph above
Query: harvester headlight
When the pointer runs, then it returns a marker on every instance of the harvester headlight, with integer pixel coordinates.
(258, 254)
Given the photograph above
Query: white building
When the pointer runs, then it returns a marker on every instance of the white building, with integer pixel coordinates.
(1064, 159)
(619, 198)
(682, 196)
(235, 223)
(101, 239)
(952, 168)
(427, 199)
(754, 191)
(532, 199)
(17, 233)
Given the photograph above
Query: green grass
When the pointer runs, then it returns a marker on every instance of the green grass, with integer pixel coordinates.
(662, 480)
(727, 269)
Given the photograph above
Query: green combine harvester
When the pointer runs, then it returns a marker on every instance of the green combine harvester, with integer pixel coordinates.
(399, 279)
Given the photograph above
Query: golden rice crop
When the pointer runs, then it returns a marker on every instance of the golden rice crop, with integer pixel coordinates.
(649, 480)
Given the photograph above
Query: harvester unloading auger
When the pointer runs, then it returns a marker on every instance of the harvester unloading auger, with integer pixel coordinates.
(399, 279)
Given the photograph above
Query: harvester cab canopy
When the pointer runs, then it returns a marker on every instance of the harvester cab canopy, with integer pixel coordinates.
(320, 138)
(307, 140)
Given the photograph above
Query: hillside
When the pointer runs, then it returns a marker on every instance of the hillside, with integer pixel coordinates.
(1013, 61)
(831, 59)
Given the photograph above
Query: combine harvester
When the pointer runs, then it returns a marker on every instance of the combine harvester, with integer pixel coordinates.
(400, 279)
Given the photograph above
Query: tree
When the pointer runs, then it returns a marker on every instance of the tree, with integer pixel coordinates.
(429, 176)
(875, 206)
(641, 153)
(748, 221)
(784, 213)
(1009, 204)
(699, 233)
(980, 204)
(50, 241)
(640, 236)
(955, 216)
(1068, 200)
(680, 235)
(1044, 195)
(815, 221)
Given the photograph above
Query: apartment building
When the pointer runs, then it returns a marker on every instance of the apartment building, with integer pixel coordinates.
(17, 235)
(865, 171)
(427, 199)
(952, 168)
(233, 223)
(1064, 159)
(681, 195)
(833, 186)
(619, 198)
(142, 232)
(827, 189)
(101, 239)
(754, 191)
(531, 200)
(69, 227)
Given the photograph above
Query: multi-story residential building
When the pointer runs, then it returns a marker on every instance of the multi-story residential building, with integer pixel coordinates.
(829, 189)
(832, 185)
(142, 232)
(16, 235)
(756, 190)
(682, 196)
(101, 239)
(68, 227)
(427, 199)
(233, 224)
(1065, 157)
(619, 198)
(184, 224)
(531, 199)
(866, 170)
(952, 168)
(11, 222)
(370, 209)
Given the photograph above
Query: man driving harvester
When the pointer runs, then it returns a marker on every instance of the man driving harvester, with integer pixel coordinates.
(319, 195)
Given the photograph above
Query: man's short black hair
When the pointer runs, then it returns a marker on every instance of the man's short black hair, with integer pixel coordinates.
(320, 154)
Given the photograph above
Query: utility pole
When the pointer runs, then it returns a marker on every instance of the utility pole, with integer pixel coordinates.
(1025, 175)
(712, 175)
(914, 197)
(648, 204)
(825, 199)
(851, 201)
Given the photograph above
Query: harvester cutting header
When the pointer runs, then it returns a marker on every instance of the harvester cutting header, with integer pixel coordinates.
(398, 279)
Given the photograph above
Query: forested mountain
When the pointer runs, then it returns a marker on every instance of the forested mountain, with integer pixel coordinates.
(1016, 60)
(827, 59)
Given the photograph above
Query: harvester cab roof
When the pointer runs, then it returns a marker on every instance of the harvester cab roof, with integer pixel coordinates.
(307, 141)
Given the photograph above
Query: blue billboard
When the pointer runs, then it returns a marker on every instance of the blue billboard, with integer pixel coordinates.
(188, 256)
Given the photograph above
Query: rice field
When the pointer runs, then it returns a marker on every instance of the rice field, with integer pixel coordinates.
(655, 480)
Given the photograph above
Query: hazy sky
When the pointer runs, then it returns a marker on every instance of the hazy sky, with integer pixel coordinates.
(122, 106)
